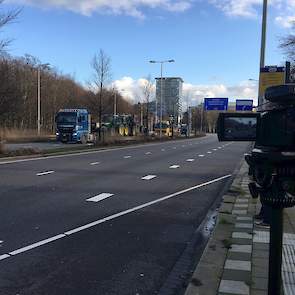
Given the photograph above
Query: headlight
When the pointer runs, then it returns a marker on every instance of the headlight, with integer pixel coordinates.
(57, 133)
(75, 133)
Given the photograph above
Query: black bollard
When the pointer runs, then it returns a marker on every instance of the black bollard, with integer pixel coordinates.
(275, 252)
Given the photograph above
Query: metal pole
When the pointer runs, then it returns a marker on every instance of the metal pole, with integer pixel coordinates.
(275, 252)
(201, 119)
(115, 104)
(262, 49)
(39, 101)
(100, 110)
(161, 101)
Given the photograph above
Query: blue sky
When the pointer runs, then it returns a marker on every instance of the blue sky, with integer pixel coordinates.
(215, 43)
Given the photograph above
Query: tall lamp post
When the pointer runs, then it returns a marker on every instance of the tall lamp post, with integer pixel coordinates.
(41, 66)
(161, 91)
(262, 49)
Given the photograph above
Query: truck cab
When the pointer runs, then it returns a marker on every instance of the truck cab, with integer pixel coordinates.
(73, 125)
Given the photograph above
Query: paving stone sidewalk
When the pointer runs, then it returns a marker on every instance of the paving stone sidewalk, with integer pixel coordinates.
(235, 260)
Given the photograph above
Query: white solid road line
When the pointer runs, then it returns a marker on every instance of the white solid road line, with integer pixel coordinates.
(99, 197)
(127, 157)
(35, 245)
(44, 173)
(4, 256)
(94, 163)
(174, 166)
(111, 217)
(149, 177)
(190, 160)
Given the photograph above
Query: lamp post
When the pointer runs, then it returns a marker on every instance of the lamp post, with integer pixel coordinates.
(161, 91)
(262, 49)
(44, 66)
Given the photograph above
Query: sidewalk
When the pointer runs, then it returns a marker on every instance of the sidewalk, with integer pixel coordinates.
(235, 260)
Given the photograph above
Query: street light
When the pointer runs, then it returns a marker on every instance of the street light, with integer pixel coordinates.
(262, 49)
(161, 91)
(44, 66)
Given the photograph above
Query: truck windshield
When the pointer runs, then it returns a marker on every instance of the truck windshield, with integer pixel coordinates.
(66, 118)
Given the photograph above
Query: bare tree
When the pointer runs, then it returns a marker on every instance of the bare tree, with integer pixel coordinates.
(5, 19)
(101, 64)
(147, 89)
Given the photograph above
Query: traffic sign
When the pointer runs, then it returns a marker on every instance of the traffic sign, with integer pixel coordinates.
(271, 76)
(216, 104)
(244, 105)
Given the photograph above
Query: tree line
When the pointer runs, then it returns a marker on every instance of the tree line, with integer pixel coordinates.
(18, 94)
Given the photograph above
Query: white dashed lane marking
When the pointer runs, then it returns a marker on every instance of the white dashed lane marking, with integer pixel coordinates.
(44, 173)
(174, 166)
(127, 157)
(201, 156)
(214, 149)
(174, 147)
(108, 218)
(162, 150)
(94, 163)
(149, 177)
(99, 197)
(148, 153)
(190, 160)
(209, 152)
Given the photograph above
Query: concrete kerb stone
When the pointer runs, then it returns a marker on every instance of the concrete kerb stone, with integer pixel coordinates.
(208, 275)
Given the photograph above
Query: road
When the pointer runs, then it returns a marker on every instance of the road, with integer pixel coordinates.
(107, 222)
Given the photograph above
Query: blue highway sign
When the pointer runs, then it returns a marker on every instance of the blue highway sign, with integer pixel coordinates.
(216, 104)
(244, 105)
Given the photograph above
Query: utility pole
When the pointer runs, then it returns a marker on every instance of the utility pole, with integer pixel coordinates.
(44, 66)
(100, 110)
(161, 101)
(262, 49)
(115, 103)
(39, 101)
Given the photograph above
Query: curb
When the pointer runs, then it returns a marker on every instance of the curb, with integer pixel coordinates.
(209, 273)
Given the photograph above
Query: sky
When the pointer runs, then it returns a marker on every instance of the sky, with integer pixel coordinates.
(215, 43)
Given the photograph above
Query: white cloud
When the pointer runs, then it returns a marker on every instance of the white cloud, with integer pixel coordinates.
(194, 93)
(244, 8)
(286, 21)
(129, 88)
(128, 7)
(284, 9)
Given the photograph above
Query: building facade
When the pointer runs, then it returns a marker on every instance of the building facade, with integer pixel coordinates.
(171, 97)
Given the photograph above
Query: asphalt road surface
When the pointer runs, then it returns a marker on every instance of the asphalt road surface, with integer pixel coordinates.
(107, 222)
